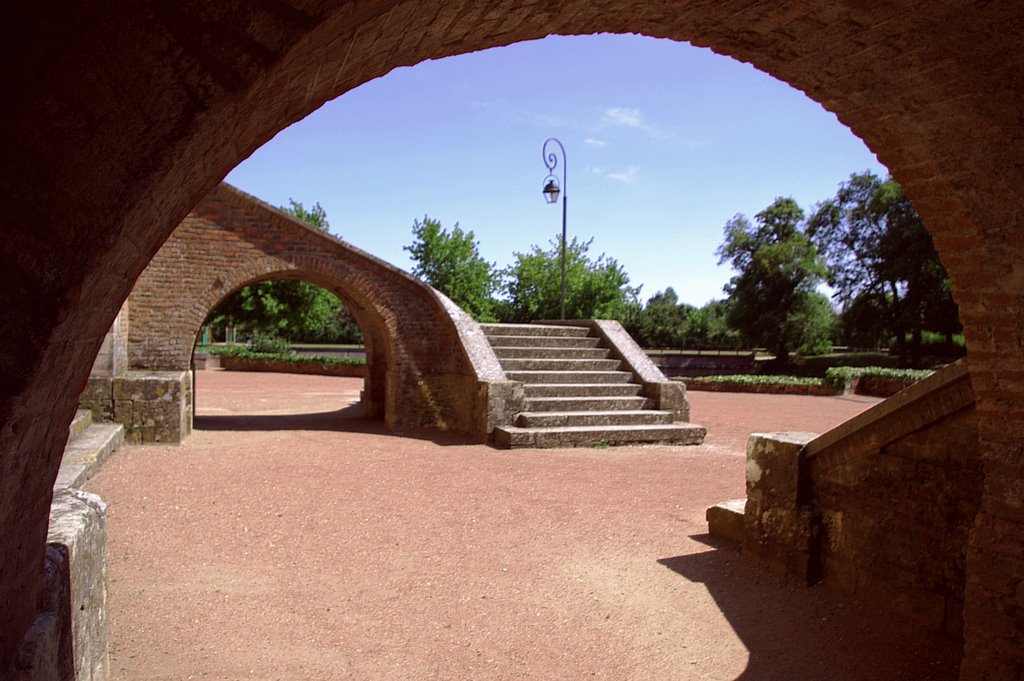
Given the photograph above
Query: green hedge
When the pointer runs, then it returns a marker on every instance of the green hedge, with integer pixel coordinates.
(841, 377)
(880, 381)
(243, 352)
(758, 379)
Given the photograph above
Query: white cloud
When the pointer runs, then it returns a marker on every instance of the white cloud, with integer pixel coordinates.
(627, 176)
(622, 116)
(593, 142)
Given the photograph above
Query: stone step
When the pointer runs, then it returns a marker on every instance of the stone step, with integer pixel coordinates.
(620, 417)
(725, 520)
(535, 404)
(529, 352)
(512, 437)
(533, 330)
(569, 376)
(573, 365)
(84, 455)
(581, 389)
(544, 341)
(82, 420)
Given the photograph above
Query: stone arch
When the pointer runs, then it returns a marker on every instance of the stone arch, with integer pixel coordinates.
(120, 119)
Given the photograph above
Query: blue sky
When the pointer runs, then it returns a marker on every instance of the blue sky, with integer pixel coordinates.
(665, 143)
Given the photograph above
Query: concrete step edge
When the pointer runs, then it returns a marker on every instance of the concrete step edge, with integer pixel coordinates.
(534, 330)
(82, 420)
(85, 455)
(583, 436)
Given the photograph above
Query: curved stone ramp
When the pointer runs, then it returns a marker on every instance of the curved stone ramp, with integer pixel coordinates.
(586, 383)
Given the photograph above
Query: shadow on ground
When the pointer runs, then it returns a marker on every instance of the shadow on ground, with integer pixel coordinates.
(351, 419)
(796, 633)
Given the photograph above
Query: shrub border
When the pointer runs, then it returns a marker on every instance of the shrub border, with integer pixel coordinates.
(876, 381)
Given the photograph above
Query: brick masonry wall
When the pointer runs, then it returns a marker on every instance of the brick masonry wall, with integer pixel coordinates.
(119, 118)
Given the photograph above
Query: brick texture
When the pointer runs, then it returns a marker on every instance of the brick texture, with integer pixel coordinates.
(119, 118)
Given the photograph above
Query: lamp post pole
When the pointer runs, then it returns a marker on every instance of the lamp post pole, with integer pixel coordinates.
(551, 192)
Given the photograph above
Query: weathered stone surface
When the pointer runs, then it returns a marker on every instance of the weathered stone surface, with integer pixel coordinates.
(153, 406)
(778, 529)
(78, 524)
(726, 520)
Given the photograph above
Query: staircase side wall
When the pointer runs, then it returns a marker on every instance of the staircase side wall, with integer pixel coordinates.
(882, 510)
(893, 521)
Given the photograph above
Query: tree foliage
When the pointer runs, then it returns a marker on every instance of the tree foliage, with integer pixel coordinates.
(315, 215)
(595, 288)
(882, 262)
(778, 269)
(451, 263)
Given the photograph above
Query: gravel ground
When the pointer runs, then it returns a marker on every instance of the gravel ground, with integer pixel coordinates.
(290, 538)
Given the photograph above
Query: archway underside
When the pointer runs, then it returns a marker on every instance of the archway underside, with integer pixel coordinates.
(121, 119)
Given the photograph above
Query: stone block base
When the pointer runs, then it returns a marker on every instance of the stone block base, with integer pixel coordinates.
(725, 520)
(153, 406)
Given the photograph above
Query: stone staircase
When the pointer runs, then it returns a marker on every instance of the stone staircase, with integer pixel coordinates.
(576, 393)
(89, 445)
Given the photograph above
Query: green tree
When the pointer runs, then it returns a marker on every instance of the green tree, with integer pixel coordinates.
(663, 322)
(882, 258)
(451, 263)
(315, 215)
(288, 308)
(595, 289)
(778, 269)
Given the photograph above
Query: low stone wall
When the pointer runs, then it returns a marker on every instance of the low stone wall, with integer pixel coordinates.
(78, 528)
(68, 640)
(880, 506)
(153, 406)
(283, 366)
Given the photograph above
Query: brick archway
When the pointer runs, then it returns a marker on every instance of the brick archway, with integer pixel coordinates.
(120, 119)
(419, 375)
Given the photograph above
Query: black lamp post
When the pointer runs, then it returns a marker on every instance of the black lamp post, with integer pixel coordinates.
(551, 191)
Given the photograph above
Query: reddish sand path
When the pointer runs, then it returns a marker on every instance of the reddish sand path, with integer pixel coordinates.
(289, 540)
